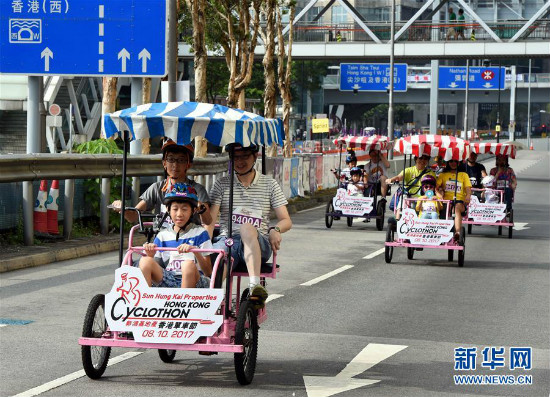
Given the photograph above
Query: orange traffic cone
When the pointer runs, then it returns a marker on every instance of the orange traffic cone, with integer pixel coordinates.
(531, 147)
(40, 218)
(52, 206)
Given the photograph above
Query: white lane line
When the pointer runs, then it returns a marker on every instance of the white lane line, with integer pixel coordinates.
(3, 325)
(325, 276)
(69, 378)
(312, 209)
(272, 297)
(375, 253)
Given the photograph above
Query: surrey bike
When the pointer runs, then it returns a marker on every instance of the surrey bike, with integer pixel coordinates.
(417, 234)
(205, 320)
(344, 205)
(488, 206)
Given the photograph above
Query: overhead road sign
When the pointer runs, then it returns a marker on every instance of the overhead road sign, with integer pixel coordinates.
(83, 37)
(481, 78)
(372, 77)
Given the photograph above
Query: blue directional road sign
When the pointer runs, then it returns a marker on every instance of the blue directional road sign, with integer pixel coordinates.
(481, 78)
(83, 37)
(372, 76)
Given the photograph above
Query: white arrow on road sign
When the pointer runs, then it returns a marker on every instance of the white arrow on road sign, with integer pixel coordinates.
(372, 354)
(125, 55)
(521, 226)
(144, 55)
(453, 85)
(487, 85)
(46, 54)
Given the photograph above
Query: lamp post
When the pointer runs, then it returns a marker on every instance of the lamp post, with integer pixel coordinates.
(529, 107)
(390, 105)
(498, 108)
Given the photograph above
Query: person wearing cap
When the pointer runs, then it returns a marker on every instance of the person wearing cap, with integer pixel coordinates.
(176, 160)
(181, 268)
(254, 196)
(455, 185)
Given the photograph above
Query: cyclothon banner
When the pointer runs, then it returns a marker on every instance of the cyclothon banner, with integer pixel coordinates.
(423, 231)
(161, 315)
(485, 212)
(352, 205)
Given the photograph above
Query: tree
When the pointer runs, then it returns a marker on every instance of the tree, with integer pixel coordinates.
(108, 104)
(268, 37)
(284, 57)
(238, 23)
(379, 113)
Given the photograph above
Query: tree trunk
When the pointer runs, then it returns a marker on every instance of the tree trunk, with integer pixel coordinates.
(146, 98)
(285, 75)
(270, 100)
(108, 105)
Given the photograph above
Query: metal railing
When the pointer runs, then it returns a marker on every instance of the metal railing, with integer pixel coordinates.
(418, 31)
(33, 167)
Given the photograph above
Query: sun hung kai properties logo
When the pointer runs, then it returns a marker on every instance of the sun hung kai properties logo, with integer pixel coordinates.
(493, 358)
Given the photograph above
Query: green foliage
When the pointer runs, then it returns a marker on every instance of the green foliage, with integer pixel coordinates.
(93, 186)
(380, 112)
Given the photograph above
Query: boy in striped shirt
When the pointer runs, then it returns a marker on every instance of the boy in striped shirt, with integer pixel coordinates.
(255, 195)
(181, 268)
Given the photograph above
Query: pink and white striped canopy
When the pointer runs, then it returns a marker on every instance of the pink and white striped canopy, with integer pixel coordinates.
(494, 148)
(448, 147)
(365, 143)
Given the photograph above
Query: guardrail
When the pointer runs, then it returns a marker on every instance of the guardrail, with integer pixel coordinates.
(33, 167)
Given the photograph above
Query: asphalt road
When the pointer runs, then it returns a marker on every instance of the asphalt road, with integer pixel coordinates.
(339, 323)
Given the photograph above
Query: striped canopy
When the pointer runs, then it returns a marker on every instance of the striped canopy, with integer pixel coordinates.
(448, 147)
(183, 121)
(494, 148)
(365, 143)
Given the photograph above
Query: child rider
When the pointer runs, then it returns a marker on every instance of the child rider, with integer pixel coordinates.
(355, 186)
(174, 269)
(428, 206)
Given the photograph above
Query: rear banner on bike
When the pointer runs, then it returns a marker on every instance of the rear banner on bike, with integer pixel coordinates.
(352, 205)
(161, 315)
(423, 231)
(485, 212)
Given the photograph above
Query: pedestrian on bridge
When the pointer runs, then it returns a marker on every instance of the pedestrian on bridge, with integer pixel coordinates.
(460, 27)
(451, 32)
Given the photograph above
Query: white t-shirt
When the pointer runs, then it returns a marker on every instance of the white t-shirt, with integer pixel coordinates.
(375, 171)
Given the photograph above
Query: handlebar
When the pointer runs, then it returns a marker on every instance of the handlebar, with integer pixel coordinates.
(158, 220)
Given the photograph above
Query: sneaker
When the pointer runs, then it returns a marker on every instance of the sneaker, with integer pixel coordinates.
(456, 237)
(383, 200)
(258, 295)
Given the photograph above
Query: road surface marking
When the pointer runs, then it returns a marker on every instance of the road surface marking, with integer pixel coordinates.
(325, 276)
(375, 253)
(272, 297)
(372, 354)
(3, 325)
(74, 376)
(520, 226)
(311, 209)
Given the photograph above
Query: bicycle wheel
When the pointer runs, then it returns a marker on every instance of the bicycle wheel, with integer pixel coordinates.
(246, 334)
(388, 251)
(380, 210)
(450, 254)
(329, 218)
(462, 242)
(349, 221)
(167, 356)
(511, 220)
(95, 358)
(470, 228)
(410, 253)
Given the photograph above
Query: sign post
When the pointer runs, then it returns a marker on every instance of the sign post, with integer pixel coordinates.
(84, 38)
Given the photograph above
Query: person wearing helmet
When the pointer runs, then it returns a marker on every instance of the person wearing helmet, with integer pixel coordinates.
(176, 160)
(356, 186)
(181, 268)
(455, 185)
(351, 161)
(254, 196)
(376, 171)
(428, 205)
(505, 179)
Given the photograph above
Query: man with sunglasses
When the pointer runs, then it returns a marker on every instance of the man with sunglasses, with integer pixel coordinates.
(455, 185)
(254, 196)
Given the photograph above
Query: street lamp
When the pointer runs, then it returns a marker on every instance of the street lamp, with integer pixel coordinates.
(390, 105)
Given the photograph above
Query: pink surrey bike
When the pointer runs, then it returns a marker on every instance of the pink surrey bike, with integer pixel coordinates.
(414, 233)
(479, 211)
(206, 320)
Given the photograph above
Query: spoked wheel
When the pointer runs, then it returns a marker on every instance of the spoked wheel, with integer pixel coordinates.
(329, 218)
(470, 228)
(511, 220)
(410, 253)
(349, 221)
(388, 251)
(380, 210)
(462, 242)
(500, 230)
(95, 358)
(246, 334)
(167, 356)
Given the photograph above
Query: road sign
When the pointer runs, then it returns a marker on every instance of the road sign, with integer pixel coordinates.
(481, 78)
(54, 109)
(372, 77)
(83, 37)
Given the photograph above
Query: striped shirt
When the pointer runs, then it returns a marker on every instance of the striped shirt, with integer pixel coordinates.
(193, 235)
(263, 194)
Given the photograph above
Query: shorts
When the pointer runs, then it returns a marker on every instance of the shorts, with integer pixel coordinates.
(460, 202)
(172, 280)
(237, 250)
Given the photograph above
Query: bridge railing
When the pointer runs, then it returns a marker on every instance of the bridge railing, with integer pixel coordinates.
(418, 31)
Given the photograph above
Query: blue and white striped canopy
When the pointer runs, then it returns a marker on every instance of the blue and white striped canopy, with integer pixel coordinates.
(183, 121)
